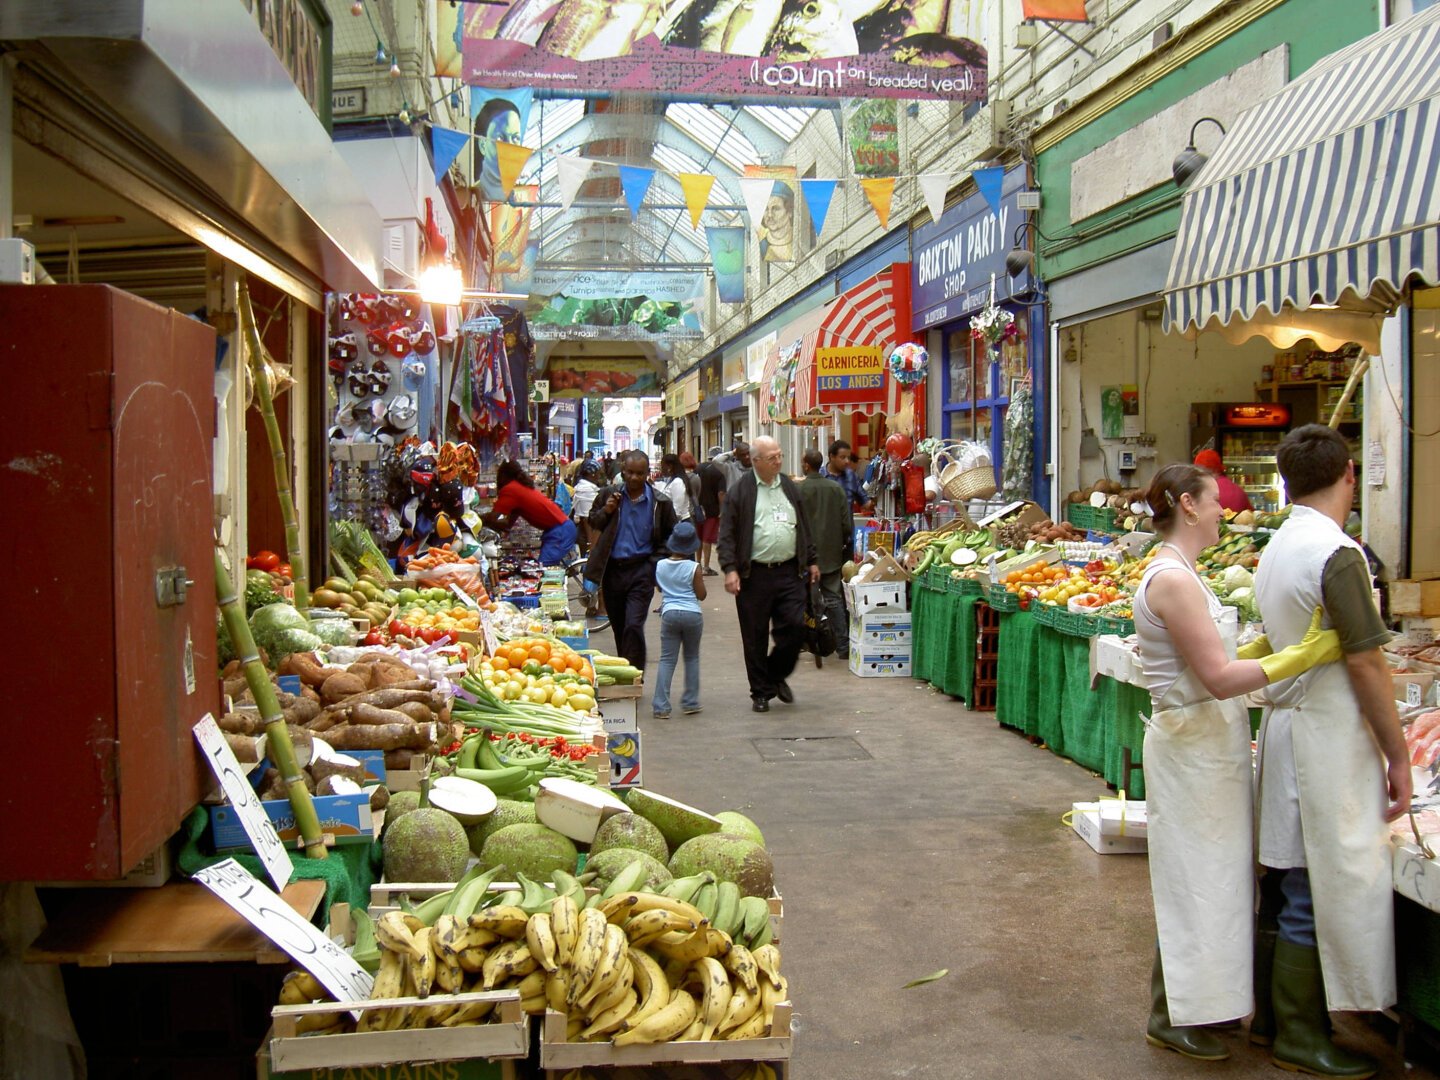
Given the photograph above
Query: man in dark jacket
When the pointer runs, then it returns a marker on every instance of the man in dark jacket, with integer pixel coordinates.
(633, 522)
(713, 478)
(767, 555)
(828, 509)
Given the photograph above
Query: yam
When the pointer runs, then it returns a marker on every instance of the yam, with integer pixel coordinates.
(388, 675)
(364, 672)
(230, 670)
(301, 712)
(337, 765)
(244, 747)
(399, 759)
(380, 794)
(326, 720)
(310, 670)
(309, 693)
(337, 785)
(381, 737)
(416, 710)
(364, 713)
(241, 723)
(235, 686)
(340, 686)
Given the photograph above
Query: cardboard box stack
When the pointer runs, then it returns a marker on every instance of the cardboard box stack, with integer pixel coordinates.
(880, 630)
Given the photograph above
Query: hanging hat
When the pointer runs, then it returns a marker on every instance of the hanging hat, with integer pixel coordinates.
(398, 339)
(414, 372)
(379, 378)
(402, 413)
(345, 415)
(345, 306)
(377, 342)
(344, 348)
(359, 384)
(365, 308)
(406, 307)
(422, 339)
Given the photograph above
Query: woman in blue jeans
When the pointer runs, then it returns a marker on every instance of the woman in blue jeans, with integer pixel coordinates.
(682, 587)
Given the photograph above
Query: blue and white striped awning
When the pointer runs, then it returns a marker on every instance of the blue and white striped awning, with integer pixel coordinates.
(1327, 190)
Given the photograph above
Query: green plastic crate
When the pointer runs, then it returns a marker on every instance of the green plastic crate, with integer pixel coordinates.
(1087, 517)
(1001, 600)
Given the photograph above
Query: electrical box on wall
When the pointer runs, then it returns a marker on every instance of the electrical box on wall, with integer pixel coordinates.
(1127, 460)
(17, 262)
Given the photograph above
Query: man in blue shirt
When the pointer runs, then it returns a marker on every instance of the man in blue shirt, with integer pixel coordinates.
(633, 522)
(838, 469)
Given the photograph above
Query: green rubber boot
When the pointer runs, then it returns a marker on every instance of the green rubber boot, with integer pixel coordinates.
(1262, 1023)
(1194, 1042)
(1302, 1038)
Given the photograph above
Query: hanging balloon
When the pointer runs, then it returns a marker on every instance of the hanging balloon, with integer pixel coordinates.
(899, 446)
(909, 363)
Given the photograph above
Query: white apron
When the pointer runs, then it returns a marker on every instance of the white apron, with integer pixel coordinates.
(1339, 774)
(1198, 799)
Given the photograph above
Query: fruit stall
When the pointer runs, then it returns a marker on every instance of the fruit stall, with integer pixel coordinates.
(1018, 614)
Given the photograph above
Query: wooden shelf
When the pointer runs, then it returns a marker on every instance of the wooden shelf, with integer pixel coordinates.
(180, 922)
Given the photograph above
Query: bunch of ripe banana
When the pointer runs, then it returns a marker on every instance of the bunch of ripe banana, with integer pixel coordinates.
(646, 967)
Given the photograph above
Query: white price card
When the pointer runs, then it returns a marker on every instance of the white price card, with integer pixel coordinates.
(492, 643)
(305, 944)
(257, 824)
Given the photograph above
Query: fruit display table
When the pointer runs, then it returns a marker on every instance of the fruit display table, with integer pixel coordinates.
(1044, 691)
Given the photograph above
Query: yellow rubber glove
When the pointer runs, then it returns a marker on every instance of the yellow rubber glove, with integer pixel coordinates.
(1316, 647)
(1256, 649)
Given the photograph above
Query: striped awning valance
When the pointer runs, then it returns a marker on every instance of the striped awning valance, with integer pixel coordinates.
(1326, 191)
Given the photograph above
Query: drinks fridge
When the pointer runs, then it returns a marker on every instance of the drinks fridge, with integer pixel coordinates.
(1246, 435)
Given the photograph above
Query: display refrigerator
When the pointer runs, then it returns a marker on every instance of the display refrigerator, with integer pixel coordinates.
(1246, 435)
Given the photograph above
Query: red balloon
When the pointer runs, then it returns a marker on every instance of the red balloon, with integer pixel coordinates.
(899, 446)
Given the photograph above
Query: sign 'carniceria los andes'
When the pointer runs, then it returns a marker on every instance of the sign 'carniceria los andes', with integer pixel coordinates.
(728, 48)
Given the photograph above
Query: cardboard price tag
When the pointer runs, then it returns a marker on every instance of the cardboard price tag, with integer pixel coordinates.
(278, 921)
(492, 643)
(257, 824)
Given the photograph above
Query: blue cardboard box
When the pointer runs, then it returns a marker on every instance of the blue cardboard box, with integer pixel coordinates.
(346, 817)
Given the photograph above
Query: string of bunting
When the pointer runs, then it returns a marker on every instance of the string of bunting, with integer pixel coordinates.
(573, 170)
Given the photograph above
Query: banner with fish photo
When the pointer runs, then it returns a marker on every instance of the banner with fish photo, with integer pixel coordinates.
(775, 226)
(872, 128)
(703, 50)
(629, 318)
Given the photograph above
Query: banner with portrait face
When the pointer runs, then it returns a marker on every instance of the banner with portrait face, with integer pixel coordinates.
(776, 227)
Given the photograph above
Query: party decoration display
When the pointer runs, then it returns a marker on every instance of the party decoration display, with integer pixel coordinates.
(909, 364)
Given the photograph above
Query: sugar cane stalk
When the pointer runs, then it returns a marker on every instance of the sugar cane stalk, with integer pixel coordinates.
(278, 746)
(266, 400)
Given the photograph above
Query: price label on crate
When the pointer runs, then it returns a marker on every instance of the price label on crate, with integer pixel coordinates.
(305, 944)
(257, 824)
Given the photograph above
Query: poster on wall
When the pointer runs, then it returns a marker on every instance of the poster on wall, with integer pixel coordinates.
(607, 376)
(872, 128)
(724, 48)
(776, 228)
(710, 379)
(758, 354)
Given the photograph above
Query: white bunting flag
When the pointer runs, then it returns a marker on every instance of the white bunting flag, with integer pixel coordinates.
(934, 186)
(757, 193)
(572, 172)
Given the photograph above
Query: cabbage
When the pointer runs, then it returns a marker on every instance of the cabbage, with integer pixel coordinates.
(289, 641)
(1243, 600)
(333, 631)
(267, 624)
(1236, 577)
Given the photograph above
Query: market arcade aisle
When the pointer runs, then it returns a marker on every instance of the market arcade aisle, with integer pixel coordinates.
(911, 835)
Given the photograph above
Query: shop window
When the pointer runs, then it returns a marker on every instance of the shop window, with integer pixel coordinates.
(622, 439)
(977, 385)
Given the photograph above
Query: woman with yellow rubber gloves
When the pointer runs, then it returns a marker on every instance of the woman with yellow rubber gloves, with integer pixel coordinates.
(1199, 781)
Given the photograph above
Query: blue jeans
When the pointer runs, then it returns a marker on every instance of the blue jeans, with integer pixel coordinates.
(556, 542)
(1296, 914)
(677, 629)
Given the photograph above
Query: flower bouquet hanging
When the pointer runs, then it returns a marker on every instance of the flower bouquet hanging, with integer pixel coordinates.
(994, 326)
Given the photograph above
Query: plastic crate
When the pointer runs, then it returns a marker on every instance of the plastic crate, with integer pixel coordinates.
(987, 618)
(1000, 600)
(983, 696)
(963, 586)
(1090, 518)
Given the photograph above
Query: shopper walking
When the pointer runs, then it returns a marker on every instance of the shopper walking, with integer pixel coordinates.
(736, 463)
(1198, 776)
(586, 488)
(837, 468)
(1330, 755)
(633, 522)
(517, 496)
(713, 480)
(767, 554)
(682, 587)
(828, 511)
(675, 482)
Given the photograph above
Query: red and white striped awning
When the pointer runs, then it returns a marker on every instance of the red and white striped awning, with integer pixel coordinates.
(843, 364)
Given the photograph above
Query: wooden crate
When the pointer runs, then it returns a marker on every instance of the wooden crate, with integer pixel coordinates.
(508, 1037)
(474, 1069)
(716, 1070)
(556, 1053)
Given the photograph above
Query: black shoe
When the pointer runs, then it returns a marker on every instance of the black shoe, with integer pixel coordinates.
(760, 703)
(782, 691)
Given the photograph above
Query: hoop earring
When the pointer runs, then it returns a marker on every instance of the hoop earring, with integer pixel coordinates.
(1192, 519)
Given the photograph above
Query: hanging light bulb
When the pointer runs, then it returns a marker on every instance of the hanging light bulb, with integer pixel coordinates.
(357, 8)
(395, 70)
(380, 56)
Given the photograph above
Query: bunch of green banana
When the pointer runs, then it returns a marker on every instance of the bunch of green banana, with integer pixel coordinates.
(634, 966)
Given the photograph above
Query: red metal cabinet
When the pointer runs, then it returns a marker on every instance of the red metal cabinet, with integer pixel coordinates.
(106, 441)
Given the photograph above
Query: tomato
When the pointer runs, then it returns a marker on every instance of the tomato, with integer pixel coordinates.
(396, 628)
(374, 638)
(285, 571)
(265, 560)
(430, 635)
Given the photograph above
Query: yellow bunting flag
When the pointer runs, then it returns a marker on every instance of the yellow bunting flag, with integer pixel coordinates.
(511, 158)
(880, 190)
(697, 193)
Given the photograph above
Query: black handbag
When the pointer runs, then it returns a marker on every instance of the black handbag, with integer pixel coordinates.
(820, 633)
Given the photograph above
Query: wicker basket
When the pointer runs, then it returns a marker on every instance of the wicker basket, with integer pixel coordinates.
(959, 484)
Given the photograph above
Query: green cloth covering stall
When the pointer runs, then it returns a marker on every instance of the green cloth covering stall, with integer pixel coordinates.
(942, 650)
(927, 616)
(958, 675)
(1044, 690)
(348, 872)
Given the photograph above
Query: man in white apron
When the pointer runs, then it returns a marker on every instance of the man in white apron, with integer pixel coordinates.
(1331, 754)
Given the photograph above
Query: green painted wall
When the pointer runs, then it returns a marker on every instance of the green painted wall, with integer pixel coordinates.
(1154, 215)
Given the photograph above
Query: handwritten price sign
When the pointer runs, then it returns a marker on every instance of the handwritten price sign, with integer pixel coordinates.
(257, 824)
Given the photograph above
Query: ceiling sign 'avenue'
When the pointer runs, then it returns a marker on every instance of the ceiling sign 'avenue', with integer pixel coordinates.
(730, 48)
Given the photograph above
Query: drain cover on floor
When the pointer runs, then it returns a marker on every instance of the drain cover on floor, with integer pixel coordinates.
(814, 748)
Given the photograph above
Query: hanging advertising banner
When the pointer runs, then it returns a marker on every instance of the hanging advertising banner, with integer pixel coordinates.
(700, 49)
(603, 284)
(776, 227)
(512, 252)
(727, 256)
(606, 376)
(710, 388)
(872, 128)
(500, 117)
(634, 318)
(957, 260)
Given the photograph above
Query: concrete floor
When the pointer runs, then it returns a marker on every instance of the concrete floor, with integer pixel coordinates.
(932, 840)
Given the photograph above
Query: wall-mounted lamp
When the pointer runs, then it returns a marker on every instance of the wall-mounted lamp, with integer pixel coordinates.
(1189, 161)
(1021, 259)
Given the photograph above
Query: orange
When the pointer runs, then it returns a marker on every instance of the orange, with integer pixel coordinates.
(518, 656)
(500, 663)
(540, 652)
